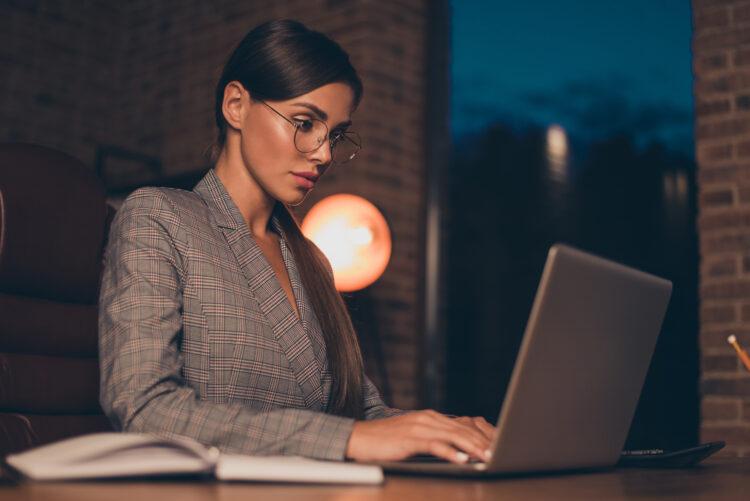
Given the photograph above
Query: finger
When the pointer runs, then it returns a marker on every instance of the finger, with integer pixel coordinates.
(480, 424)
(464, 435)
(475, 446)
(475, 424)
(468, 423)
(487, 428)
(446, 451)
(469, 427)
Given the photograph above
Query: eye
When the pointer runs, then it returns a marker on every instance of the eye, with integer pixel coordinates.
(304, 124)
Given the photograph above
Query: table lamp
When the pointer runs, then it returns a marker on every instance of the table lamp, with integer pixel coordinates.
(353, 235)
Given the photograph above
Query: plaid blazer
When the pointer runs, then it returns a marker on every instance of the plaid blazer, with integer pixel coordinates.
(197, 338)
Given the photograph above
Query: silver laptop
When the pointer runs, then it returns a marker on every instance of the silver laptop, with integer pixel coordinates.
(579, 372)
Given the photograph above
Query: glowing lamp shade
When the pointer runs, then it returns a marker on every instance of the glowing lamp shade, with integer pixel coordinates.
(353, 235)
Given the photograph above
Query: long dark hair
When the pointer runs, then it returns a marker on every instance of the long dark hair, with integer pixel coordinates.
(276, 61)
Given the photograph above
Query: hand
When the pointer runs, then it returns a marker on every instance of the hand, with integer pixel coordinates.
(479, 423)
(421, 432)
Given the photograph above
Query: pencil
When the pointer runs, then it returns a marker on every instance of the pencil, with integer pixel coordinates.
(740, 352)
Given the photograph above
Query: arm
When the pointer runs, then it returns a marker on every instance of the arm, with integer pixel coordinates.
(140, 330)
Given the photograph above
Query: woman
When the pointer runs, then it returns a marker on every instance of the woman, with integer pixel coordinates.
(218, 319)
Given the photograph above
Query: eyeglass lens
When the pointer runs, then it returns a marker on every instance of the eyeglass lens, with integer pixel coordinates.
(311, 134)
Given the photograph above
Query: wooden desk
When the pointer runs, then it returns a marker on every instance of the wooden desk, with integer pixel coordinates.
(719, 479)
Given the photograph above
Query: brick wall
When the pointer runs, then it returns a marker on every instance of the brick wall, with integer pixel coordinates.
(141, 75)
(387, 47)
(59, 77)
(721, 63)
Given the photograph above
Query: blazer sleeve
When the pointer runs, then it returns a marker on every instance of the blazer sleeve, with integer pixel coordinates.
(374, 407)
(140, 328)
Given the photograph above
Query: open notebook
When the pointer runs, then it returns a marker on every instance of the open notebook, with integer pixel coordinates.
(112, 455)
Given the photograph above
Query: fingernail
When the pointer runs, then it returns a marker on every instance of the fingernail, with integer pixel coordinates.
(462, 456)
(488, 454)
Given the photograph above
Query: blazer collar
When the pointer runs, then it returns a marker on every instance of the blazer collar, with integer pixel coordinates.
(224, 210)
(301, 339)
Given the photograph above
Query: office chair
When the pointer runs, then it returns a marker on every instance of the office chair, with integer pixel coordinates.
(54, 221)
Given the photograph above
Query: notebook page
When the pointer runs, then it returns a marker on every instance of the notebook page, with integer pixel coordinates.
(101, 455)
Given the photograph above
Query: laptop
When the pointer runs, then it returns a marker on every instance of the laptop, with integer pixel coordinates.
(579, 371)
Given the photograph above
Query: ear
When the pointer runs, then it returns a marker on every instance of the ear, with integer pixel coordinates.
(234, 105)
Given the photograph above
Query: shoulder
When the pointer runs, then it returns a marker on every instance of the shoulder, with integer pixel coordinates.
(168, 206)
(151, 197)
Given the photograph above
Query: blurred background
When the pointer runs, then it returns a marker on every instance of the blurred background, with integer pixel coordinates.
(573, 125)
(491, 130)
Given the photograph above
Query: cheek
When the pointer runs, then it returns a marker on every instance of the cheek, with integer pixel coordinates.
(270, 148)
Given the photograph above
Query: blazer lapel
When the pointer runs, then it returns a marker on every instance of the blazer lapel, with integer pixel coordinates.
(287, 330)
(307, 315)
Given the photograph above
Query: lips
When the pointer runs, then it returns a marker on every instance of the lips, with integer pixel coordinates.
(305, 179)
(307, 175)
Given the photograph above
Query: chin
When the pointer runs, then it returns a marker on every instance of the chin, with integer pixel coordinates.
(296, 199)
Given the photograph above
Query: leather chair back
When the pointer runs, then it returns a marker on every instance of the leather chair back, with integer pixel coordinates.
(54, 221)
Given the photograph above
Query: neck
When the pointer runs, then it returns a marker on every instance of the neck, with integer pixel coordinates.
(255, 205)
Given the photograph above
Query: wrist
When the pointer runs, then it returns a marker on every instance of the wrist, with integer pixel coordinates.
(351, 444)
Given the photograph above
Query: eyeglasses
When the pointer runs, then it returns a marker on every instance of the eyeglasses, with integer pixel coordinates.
(311, 133)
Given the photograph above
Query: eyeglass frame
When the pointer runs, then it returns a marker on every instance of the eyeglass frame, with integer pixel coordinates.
(345, 135)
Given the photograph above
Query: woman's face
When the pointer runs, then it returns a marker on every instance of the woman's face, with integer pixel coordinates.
(267, 140)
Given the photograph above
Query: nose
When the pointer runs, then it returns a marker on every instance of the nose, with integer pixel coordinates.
(323, 154)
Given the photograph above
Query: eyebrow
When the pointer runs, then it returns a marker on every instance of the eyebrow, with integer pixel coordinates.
(321, 114)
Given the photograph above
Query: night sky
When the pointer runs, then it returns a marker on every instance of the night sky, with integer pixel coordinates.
(594, 67)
